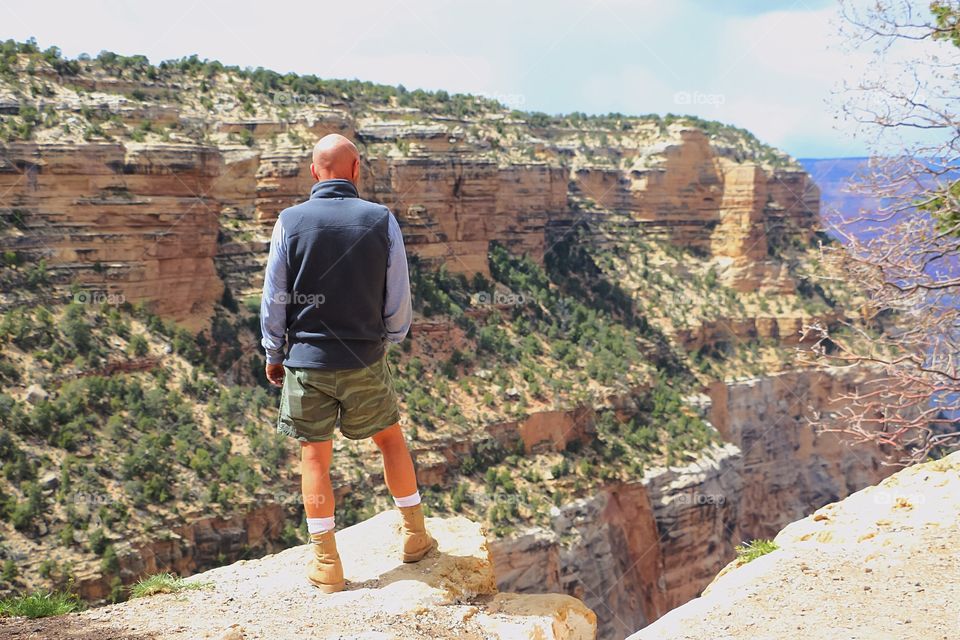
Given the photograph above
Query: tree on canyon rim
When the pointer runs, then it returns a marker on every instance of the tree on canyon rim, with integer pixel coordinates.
(904, 252)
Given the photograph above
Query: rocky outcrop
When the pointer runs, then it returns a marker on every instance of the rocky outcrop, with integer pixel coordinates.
(688, 192)
(185, 550)
(634, 551)
(450, 594)
(129, 220)
(883, 563)
(788, 468)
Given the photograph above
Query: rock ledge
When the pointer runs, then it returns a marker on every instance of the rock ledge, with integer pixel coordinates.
(450, 594)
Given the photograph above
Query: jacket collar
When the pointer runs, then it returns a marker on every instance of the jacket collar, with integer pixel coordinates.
(336, 188)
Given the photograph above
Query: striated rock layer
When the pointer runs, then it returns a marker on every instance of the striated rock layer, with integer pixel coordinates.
(130, 220)
(167, 223)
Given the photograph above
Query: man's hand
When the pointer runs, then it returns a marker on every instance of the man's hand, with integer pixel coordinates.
(275, 374)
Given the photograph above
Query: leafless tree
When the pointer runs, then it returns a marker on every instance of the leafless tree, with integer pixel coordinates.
(903, 254)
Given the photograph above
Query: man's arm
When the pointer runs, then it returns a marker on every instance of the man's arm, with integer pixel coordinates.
(273, 306)
(397, 307)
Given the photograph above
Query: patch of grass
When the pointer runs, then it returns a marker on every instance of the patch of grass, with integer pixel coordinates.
(40, 604)
(164, 583)
(752, 550)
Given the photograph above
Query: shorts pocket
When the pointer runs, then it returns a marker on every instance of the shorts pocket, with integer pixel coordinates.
(292, 400)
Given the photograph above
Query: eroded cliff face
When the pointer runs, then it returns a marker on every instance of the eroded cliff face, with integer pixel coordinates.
(168, 223)
(635, 551)
(787, 467)
(136, 221)
(881, 563)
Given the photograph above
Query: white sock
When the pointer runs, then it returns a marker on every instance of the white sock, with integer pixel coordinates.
(319, 525)
(408, 501)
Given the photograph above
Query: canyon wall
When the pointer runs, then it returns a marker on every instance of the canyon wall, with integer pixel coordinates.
(786, 465)
(881, 563)
(125, 219)
(634, 551)
(169, 223)
(690, 194)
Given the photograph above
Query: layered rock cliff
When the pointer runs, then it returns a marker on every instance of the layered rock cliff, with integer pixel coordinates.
(883, 563)
(151, 221)
(636, 550)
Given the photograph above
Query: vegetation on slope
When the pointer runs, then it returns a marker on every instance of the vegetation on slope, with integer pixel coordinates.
(208, 86)
(116, 424)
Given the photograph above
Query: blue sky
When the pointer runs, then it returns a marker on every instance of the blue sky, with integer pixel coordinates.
(767, 65)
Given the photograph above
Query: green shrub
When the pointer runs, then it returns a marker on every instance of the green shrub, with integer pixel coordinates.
(139, 346)
(97, 541)
(164, 583)
(40, 605)
(9, 570)
(754, 549)
(109, 564)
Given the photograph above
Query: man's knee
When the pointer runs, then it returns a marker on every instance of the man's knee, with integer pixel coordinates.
(390, 438)
(317, 452)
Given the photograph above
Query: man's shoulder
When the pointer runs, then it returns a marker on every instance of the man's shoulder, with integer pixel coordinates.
(294, 210)
(374, 207)
(355, 206)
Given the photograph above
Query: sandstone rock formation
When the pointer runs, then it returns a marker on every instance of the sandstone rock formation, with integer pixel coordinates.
(136, 221)
(450, 594)
(882, 564)
(167, 223)
(636, 550)
(768, 420)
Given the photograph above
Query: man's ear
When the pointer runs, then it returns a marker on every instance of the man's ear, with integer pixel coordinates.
(313, 172)
(356, 171)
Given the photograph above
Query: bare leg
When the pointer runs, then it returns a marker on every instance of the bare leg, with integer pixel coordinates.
(315, 478)
(398, 469)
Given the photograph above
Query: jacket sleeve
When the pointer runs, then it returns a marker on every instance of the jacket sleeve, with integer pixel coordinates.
(273, 304)
(397, 305)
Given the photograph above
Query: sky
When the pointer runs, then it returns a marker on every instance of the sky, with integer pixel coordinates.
(770, 66)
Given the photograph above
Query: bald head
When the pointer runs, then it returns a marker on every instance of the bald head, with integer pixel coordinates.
(335, 157)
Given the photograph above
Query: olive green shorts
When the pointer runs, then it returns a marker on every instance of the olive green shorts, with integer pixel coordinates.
(314, 401)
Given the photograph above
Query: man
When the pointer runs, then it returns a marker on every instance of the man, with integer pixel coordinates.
(336, 289)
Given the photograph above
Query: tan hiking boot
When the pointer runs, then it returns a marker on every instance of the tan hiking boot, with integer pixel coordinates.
(325, 572)
(416, 541)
